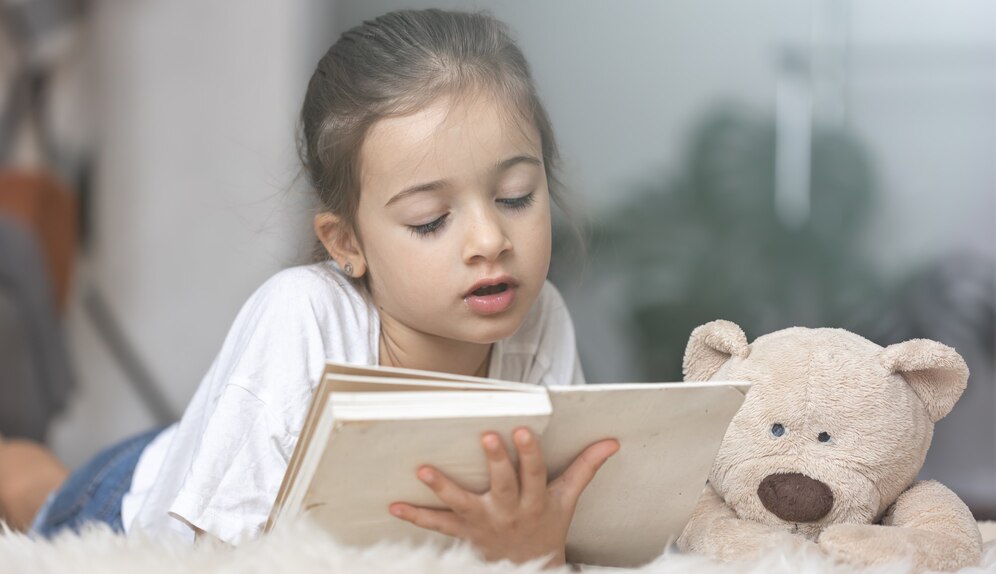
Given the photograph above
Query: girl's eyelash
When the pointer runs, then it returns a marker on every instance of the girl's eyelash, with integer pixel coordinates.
(517, 203)
(513, 203)
(429, 228)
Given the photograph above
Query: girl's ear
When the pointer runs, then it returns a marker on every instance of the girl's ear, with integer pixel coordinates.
(710, 346)
(341, 243)
(936, 372)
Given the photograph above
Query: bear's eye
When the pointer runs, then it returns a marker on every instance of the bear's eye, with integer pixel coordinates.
(777, 430)
(823, 437)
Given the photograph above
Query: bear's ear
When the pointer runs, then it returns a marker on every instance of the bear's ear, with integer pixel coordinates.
(710, 346)
(936, 372)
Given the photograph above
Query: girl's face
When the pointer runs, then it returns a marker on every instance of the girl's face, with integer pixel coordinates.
(454, 219)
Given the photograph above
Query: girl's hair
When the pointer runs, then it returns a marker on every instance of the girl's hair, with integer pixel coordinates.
(393, 66)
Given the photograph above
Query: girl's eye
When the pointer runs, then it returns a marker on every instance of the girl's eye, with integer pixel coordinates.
(777, 430)
(427, 229)
(517, 203)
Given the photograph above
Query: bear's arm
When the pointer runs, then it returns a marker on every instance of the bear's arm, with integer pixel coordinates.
(715, 530)
(928, 523)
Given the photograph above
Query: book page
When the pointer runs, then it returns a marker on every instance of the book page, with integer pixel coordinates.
(643, 496)
(353, 383)
(379, 371)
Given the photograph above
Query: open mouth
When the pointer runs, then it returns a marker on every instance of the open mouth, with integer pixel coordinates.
(490, 289)
(493, 298)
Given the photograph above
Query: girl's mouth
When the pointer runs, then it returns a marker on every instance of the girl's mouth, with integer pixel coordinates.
(491, 299)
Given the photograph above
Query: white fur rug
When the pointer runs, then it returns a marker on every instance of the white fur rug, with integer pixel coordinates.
(305, 550)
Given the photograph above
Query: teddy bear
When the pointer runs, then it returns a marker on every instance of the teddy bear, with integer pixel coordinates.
(825, 450)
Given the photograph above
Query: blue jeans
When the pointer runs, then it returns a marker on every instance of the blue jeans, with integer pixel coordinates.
(93, 493)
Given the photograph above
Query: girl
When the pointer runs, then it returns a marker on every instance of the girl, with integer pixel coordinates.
(435, 166)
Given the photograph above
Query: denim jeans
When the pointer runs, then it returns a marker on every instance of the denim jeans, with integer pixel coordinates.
(93, 493)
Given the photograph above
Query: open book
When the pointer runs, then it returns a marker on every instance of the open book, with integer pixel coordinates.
(370, 428)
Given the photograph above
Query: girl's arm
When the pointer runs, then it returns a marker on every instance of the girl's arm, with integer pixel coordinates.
(522, 517)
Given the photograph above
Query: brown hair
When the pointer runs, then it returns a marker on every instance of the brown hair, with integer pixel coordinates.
(394, 65)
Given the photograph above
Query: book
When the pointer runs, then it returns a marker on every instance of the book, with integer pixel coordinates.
(370, 428)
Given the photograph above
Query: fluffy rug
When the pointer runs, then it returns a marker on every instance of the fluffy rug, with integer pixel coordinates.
(304, 550)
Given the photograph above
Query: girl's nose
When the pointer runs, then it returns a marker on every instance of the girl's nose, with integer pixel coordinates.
(486, 238)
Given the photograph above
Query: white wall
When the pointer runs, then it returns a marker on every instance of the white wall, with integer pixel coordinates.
(923, 98)
(195, 201)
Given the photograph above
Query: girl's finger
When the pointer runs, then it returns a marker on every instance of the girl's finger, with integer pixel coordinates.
(573, 481)
(450, 493)
(532, 469)
(504, 483)
(442, 521)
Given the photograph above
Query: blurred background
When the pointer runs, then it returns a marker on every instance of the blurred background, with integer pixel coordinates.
(774, 163)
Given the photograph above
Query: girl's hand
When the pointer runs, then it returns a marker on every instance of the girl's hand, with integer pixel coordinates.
(521, 517)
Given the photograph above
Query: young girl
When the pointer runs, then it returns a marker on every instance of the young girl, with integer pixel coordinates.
(434, 163)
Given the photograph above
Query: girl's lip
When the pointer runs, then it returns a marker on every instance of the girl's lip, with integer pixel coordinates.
(493, 303)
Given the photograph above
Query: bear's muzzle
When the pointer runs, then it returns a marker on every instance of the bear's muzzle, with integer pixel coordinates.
(795, 497)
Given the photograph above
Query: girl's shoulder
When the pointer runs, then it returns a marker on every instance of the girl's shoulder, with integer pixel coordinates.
(316, 290)
(306, 302)
(295, 321)
(314, 281)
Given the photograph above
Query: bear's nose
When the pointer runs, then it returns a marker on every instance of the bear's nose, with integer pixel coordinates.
(795, 497)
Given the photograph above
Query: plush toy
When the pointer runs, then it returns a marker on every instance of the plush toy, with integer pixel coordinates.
(825, 450)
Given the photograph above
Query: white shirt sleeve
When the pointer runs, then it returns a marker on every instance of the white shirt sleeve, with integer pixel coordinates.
(240, 442)
(233, 476)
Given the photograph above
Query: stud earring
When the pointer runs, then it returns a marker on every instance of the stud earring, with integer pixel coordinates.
(348, 269)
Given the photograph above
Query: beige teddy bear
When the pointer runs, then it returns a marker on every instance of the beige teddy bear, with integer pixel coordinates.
(825, 450)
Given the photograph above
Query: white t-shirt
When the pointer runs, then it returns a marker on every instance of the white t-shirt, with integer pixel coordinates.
(220, 467)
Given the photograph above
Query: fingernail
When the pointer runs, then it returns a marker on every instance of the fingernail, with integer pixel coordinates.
(396, 510)
(522, 437)
(426, 475)
(491, 442)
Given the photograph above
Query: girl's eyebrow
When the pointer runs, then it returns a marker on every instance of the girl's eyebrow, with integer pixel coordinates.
(441, 183)
(431, 186)
(523, 158)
